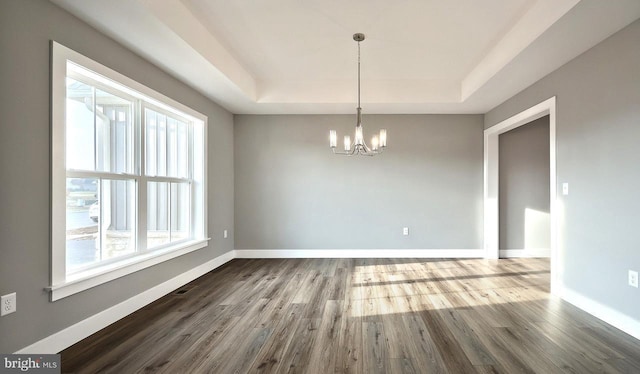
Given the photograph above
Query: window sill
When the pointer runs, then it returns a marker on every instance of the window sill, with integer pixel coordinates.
(94, 277)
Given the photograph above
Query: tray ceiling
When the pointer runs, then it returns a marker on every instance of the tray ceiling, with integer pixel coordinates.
(298, 56)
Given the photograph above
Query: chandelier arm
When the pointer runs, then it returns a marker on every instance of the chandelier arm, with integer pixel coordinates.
(364, 152)
(371, 153)
(344, 153)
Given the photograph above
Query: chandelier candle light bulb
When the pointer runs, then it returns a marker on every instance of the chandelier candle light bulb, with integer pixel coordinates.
(359, 137)
(359, 147)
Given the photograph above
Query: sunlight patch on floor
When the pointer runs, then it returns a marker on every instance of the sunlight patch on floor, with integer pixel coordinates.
(415, 286)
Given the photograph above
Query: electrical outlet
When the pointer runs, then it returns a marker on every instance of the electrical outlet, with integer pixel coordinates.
(225, 234)
(8, 303)
(405, 231)
(633, 278)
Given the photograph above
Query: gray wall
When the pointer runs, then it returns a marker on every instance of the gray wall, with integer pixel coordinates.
(598, 128)
(293, 193)
(26, 26)
(524, 186)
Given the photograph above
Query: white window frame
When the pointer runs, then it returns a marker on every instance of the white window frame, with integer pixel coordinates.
(63, 284)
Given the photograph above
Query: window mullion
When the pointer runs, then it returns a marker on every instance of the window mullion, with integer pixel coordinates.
(142, 181)
(101, 219)
(169, 210)
(99, 174)
(95, 129)
(192, 185)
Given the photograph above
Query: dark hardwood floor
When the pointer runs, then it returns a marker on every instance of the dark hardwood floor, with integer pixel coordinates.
(361, 316)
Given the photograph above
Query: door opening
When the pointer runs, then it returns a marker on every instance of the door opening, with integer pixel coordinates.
(492, 183)
(523, 191)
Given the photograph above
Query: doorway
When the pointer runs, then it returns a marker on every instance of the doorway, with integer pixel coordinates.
(492, 182)
(523, 191)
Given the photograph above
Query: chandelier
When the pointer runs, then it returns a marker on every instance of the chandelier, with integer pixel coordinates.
(358, 146)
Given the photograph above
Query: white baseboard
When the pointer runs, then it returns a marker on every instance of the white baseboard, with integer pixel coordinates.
(524, 253)
(613, 317)
(75, 333)
(359, 253)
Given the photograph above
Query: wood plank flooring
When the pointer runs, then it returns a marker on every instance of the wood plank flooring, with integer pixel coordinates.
(361, 316)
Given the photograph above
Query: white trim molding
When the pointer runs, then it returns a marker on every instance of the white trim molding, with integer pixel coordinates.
(491, 181)
(359, 253)
(613, 317)
(75, 333)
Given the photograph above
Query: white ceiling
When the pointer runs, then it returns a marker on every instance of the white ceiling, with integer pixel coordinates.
(298, 56)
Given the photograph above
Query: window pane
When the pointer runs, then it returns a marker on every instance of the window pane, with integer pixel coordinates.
(100, 220)
(117, 218)
(167, 145)
(155, 143)
(81, 219)
(151, 141)
(183, 150)
(180, 211)
(172, 144)
(162, 145)
(157, 214)
(114, 133)
(99, 133)
(80, 126)
(177, 151)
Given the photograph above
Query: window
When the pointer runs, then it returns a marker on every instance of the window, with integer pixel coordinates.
(129, 180)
